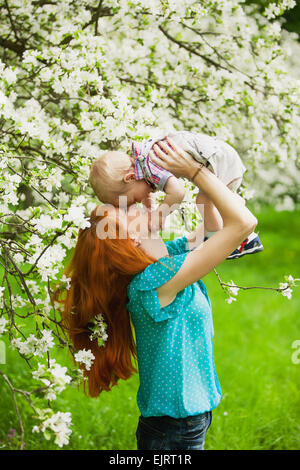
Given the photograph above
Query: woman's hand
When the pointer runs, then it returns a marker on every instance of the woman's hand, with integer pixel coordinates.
(173, 158)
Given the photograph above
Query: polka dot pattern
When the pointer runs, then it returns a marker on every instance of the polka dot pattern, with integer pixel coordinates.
(174, 343)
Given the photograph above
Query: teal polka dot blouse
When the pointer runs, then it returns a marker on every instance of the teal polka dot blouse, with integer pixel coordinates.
(174, 343)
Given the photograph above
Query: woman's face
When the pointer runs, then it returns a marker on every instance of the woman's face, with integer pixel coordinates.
(133, 222)
(137, 219)
(137, 222)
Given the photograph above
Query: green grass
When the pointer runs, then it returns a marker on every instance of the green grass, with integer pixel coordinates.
(260, 408)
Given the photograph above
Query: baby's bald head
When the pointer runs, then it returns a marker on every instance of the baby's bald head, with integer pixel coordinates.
(107, 173)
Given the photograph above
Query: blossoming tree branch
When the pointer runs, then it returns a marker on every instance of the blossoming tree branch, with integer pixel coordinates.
(79, 78)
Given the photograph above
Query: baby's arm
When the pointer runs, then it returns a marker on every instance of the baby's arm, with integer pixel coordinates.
(174, 189)
(210, 214)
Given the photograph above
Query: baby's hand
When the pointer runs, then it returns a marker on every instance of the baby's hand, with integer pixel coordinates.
(148, 201)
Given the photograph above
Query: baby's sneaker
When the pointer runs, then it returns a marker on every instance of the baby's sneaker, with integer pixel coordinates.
(249, 246)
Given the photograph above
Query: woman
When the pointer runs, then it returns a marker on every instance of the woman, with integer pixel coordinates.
(117, 269)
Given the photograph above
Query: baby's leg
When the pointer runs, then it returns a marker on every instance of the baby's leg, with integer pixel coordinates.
(212, 217)
(239, 198)
(235, 184)
(252, 243)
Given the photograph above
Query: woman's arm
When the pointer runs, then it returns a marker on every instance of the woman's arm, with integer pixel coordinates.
(238, 221)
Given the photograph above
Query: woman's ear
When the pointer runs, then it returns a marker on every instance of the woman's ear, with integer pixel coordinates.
(129, 175)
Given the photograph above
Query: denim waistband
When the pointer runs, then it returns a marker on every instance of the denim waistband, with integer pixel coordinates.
(174, 421)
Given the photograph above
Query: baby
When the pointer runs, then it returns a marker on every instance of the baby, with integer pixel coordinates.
(116, 174)
(218, 157)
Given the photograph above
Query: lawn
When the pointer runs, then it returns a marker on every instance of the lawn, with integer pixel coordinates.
(253, 340)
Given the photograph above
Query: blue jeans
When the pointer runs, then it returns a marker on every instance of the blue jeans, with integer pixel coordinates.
(166, 433)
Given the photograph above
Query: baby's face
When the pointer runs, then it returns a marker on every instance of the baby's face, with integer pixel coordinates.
(139, 192)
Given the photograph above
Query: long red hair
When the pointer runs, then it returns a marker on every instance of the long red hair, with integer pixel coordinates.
(100, 271)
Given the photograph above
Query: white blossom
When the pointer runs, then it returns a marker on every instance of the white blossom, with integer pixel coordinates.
(76, 216)
(55, 378)
(34, 345)
(85, 357)
(45, 223)
(67, 280)
(234, 289)
(57, 423)
(287, 291)
(230, 300)
(3, 323)
(9, 75)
